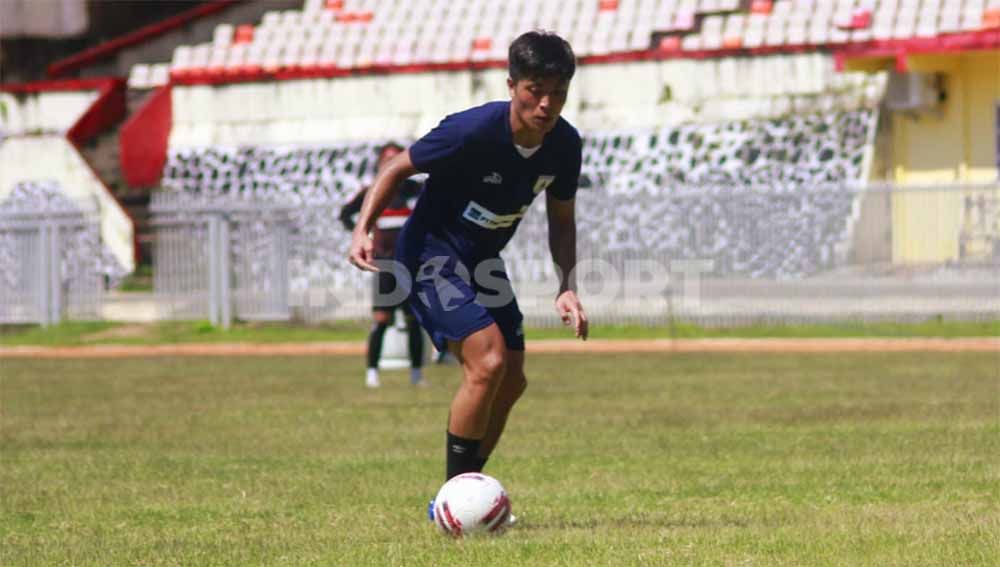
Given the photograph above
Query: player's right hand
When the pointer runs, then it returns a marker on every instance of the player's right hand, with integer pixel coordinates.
(571, 311)
(362, 252)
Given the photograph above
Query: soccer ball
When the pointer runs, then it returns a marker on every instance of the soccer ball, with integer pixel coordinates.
(472, 504)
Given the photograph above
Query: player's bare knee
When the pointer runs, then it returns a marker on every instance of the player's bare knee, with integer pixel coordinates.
(487, 369)
(493, 364)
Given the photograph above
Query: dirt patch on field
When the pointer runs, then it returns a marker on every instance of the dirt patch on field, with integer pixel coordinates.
(550, 346)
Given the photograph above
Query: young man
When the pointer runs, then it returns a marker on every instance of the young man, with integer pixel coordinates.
(387, 228)
(486, 165)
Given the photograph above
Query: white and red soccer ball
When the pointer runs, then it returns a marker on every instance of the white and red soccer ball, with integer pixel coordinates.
(472, 504)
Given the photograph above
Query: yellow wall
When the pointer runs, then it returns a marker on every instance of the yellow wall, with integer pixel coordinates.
(955, 143)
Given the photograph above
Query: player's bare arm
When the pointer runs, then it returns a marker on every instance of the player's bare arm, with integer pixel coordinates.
(352, 208)
(562, 244)
(387, 183)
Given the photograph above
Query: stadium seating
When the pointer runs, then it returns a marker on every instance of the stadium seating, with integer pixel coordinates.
(640, 94)
(683, 141)
(685, 193)
(284, 143)
(143, 76)
(657, 190)
(325, 37)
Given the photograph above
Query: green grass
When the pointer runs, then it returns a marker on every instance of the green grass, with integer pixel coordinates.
(139, 280)
(682, 330)
(83, 333)
(875, 459)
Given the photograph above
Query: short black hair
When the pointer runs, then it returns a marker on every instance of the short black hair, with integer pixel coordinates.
(540, 55)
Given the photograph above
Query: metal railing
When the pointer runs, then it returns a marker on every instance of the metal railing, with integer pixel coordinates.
(714, 256)
(44, 275)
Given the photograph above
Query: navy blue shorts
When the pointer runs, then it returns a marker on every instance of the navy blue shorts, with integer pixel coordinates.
(452, 301)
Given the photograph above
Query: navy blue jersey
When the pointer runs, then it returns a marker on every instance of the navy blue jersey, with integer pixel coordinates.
(479, 186)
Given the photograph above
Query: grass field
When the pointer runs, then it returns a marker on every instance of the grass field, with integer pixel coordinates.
(871, 459)
(75, 333)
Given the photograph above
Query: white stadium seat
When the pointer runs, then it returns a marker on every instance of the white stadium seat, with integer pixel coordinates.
(223, 34)
(139, 76)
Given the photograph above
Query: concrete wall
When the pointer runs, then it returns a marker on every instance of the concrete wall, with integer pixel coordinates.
(603, 97)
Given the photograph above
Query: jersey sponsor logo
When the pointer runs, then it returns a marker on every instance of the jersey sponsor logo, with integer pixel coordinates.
(493, 179)
(486, 218)
(543, 183)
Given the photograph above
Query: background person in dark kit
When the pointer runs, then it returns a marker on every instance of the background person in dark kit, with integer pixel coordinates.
(386, 233)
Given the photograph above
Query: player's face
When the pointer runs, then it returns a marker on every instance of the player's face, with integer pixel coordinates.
(538, 102)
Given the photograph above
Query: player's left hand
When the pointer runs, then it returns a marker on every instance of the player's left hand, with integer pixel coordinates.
(571, 311)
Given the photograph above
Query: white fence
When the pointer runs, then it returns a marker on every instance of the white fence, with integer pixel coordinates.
(221, 262)
(711, 256)
(45, 274)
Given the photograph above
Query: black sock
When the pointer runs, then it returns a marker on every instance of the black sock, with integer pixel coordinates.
(481, 462)
(463, 455)
(375, 343)
(416, 344)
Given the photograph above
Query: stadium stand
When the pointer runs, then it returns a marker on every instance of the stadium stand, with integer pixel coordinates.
(44, 123)
(327, 38)
(610, 95)
(796, 173)
(283, 115)
(694, 109)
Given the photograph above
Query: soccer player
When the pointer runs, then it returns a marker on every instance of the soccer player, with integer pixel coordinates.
(386, 233)
(485, 167)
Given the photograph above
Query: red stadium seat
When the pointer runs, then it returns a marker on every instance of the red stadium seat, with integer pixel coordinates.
(761, 7)
(482, 44)
(670, 43)
(991, 19)
(244, 34)
(732, 42)
(861, 19)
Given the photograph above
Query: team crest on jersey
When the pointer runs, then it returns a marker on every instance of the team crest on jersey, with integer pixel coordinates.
(543, 183)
